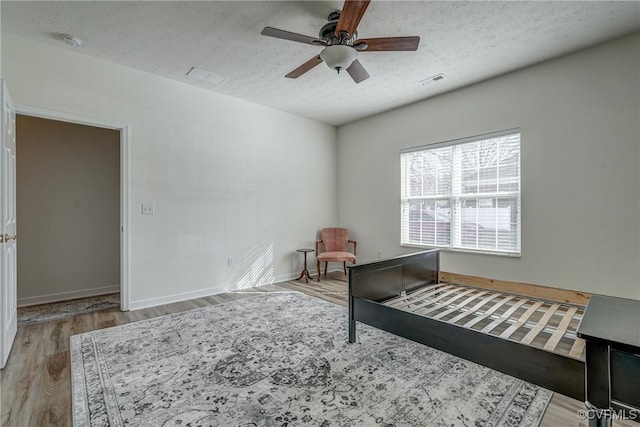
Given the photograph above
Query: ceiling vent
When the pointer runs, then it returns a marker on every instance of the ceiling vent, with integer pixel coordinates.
(432, 79)
(71, 40)
(208, 76)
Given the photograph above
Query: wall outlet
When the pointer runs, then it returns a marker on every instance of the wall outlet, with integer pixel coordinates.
(379, 254)
(148, 209)
(229, 262)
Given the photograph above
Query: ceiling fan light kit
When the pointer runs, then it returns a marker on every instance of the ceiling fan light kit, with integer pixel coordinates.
(340, 39)
(338, 57)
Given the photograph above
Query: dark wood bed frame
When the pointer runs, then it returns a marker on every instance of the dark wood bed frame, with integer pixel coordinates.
(372, 283)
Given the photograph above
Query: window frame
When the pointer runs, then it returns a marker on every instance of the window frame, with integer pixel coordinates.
(456, 199)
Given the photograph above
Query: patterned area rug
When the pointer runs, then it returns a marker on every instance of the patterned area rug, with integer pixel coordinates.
(282, 359)
(59, 310)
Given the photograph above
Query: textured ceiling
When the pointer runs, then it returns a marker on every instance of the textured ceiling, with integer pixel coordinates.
(468, 41)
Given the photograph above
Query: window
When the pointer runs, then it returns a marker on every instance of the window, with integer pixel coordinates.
(463, 194)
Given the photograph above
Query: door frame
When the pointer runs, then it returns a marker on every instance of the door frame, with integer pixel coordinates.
(125, 185)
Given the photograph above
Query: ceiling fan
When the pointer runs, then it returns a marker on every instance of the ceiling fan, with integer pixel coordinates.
(341, 44)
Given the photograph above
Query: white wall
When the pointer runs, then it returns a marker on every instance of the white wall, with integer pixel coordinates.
(229, 179)
(1, 42)
(579, 117)
(68, 208)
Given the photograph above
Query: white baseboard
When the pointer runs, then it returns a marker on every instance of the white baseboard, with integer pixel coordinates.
(64, 296)
(184, 296)
(168, 299)
(293, 276)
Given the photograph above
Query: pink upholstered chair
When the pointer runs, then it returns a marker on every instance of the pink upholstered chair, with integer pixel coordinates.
(335, 242)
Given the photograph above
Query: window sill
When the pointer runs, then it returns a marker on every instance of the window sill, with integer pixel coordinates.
(466, 251)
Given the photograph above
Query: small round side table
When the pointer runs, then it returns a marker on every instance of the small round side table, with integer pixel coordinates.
(305, 272)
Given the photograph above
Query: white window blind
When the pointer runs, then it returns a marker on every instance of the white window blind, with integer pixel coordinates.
(463, 194)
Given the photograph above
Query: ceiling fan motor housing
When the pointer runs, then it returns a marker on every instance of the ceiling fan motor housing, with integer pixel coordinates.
(328, 32)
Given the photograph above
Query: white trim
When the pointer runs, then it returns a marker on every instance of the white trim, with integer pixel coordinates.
(153, 302)
(462, 196)
(168, 299)
(294, 276)
(287, 277)
(63, 296)
(451, 142)
(44, 113)
(125, 185)
(465, 250)
(125, 156)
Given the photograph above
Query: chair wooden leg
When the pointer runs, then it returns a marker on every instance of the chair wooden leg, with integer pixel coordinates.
(325, 268)
(318, 264)
(344, 265)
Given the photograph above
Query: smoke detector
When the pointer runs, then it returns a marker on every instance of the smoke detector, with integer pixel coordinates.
(71, 40)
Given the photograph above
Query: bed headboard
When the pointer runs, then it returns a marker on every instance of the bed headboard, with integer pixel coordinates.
(384, 279)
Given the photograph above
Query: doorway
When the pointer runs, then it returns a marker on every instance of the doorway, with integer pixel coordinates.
(71, 182)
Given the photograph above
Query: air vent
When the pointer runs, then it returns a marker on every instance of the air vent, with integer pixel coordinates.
(71, 40)
(208, 76)
(432, 79)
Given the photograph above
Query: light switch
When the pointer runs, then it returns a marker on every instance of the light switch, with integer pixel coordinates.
(148, 209)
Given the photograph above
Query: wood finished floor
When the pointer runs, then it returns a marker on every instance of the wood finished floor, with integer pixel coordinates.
(35, 385)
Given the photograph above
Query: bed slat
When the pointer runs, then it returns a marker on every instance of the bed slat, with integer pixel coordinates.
(577, 348)
(459, 306)
(490, 311)
(561, 330)
(506, 315)
(418, 296)
(533, 333)
(441, 304)
(522, 320)
(499, 312)
(428, 302)
(474, 308)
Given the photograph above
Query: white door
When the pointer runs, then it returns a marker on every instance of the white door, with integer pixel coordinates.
(8, 235)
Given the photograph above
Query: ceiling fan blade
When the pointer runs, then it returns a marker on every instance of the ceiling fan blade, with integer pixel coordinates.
(351, 15)
(388, 44)
(288, 35)
(357, 72)
(304, 67)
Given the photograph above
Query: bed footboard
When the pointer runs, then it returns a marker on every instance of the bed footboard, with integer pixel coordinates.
(384, 279)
